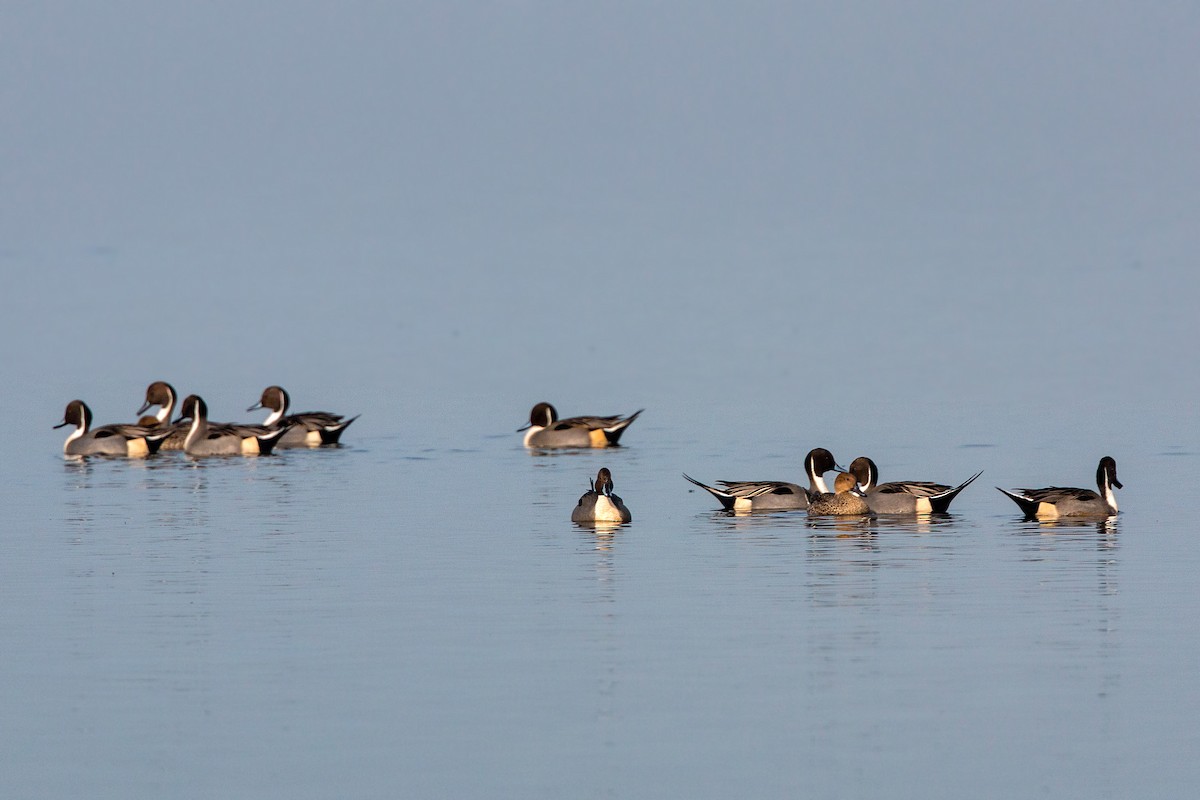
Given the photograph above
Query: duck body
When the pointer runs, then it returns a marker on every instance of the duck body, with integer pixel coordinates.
(845, 501)
(1053, 502)
(599, 504)
(224, 439)
(128, 441)
(546, 430)
(313, 429)
(740, 496)
(756, 495)
(307, 429)
(904, 497)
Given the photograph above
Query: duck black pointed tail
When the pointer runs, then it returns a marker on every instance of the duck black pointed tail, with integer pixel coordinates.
(333, 433)
(1028, 505)
(613, 434)
(727, 500)
(940, 504)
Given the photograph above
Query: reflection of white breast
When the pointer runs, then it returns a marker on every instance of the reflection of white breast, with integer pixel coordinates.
(606, 511)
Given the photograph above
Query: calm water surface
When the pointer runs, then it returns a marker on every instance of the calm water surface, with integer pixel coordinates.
(415, 616)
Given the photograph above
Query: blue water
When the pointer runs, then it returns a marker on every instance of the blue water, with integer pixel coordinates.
(947, 239)
(399, 616)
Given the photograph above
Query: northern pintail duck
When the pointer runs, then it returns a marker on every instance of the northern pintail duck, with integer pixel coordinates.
(163, 395)
(309, 429)
(846, 499)
(1055, 501)
(205, 438)
(774, 495)
(132, 441)
(904, 497)
(599, 504)
(545, 429)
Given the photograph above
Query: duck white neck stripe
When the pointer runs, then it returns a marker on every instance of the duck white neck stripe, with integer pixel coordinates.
(1110, 497)
(164, 411)
(78, 432)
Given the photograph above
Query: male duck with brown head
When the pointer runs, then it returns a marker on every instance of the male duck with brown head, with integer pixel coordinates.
(307, 429)
(904, 497)
(599, 504)
(846, 499)
(545, 429)
(163, 395)
(223, 439)
(774, 495)
(1053, 502)
(130, 441)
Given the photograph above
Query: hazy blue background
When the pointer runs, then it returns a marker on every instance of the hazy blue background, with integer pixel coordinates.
(892, 229)
(975, 196)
